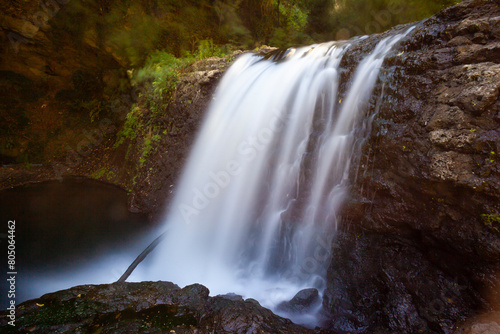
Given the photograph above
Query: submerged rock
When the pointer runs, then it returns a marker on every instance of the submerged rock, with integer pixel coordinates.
(147, 307)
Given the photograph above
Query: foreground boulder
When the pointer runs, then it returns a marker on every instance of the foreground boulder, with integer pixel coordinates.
(305, 300)
(147, 307)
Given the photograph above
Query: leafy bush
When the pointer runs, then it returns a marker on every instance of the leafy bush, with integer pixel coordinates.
(207, 48)
(492, 221)
(159, 76)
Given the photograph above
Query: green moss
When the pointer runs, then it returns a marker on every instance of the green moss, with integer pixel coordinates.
(492, 221)
(110, 175)
(98, 174)
(166, 317)
(130, 127)
(148, 146)
(207, 48)
(60, 313)
(103, 173)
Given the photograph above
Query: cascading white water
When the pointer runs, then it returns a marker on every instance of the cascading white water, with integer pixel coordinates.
(259, 196)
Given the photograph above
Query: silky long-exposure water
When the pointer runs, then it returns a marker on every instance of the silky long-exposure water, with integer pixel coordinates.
(257, 205)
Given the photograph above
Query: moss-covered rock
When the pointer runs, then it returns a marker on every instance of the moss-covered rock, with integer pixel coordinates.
(147, 307)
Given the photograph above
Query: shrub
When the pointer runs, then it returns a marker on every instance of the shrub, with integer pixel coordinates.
(492, 221)
(207, 48)
(159, 76)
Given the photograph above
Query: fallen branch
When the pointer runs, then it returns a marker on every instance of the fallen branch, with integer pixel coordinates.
(141, 257)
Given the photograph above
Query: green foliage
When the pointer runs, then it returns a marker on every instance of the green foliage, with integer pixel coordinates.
(130, 127)
(207, 48)
(159, 76)
(98, 174)
(292, 23)
(133, 30)
(492, 221)
(103, 172)
(147, 147)
(156, 39)
(230, 25)
(158, 79)
(133, 45)
(349, 18)
(259, 17)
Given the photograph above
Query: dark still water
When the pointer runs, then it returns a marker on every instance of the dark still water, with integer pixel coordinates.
(66, 234)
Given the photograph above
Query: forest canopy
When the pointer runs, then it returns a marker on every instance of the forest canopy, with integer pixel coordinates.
(134, 29)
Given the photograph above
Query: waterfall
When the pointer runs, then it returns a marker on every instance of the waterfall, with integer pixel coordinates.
(257, 204)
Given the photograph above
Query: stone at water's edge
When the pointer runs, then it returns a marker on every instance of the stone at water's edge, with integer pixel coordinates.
(147, 307)
(303, 301)
(419, 246)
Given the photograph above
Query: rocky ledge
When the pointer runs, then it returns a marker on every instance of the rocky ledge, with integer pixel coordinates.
(147, 307)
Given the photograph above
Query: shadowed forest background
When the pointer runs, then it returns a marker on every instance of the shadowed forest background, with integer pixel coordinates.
(62, 63)
(185, 28)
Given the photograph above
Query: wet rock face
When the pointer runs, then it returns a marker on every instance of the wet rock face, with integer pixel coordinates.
(147, 307)
(34, 47)
(420, 241)
(386, 284)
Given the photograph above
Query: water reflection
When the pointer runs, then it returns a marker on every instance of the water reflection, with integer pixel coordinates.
(67, 233)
